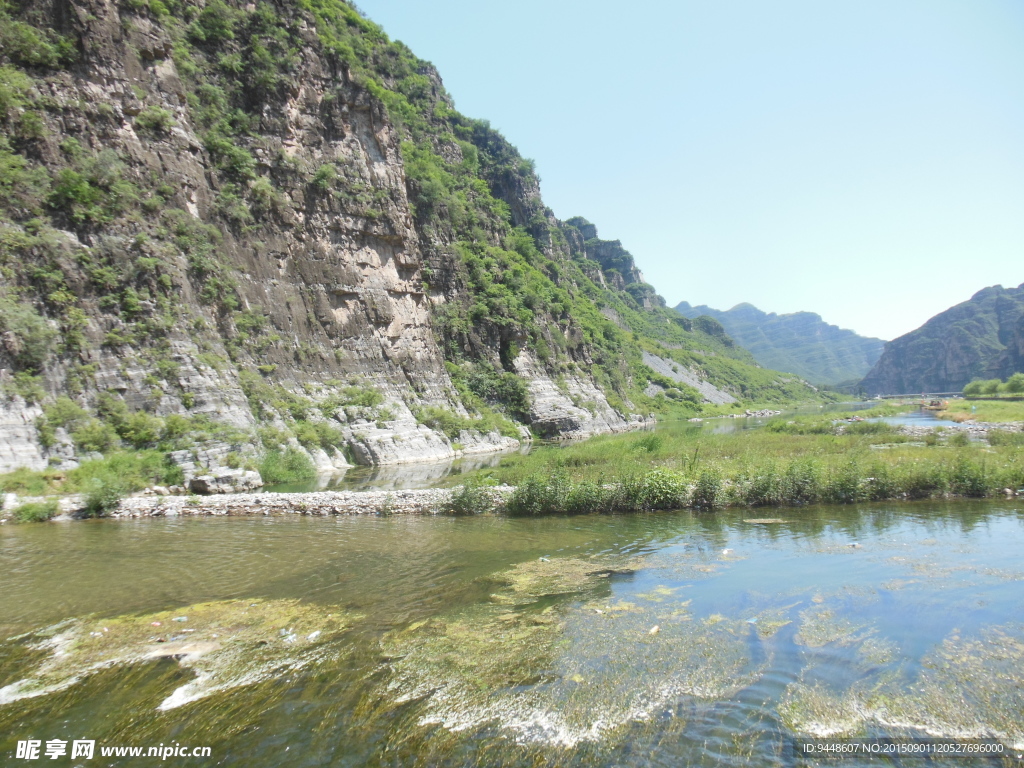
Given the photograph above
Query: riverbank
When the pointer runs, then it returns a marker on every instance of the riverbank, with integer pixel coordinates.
(776, 484)
(976, 429)
(428, 501)
(810, 459)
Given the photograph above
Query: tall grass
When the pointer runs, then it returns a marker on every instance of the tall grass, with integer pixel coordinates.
(996, 411)
(785, 464)
(771, 483)
(130, 470)
(37, 511)
(557, 493)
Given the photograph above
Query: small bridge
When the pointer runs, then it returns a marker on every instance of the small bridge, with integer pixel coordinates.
(920, 395)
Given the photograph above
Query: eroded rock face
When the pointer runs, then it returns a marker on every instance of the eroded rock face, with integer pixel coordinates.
(304, 260)
(573, 407)
(338, 281)
(678, 373)
(226, 481)
(19, 441)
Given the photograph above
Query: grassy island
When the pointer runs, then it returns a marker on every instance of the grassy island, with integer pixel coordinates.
(824, 458)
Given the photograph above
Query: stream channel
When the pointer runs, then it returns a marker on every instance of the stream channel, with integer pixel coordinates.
(660, 639)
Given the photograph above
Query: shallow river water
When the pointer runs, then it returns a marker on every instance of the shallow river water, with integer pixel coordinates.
(660, 639)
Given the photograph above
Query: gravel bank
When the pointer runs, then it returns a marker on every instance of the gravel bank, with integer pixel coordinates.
(973, 428)
(428, 501)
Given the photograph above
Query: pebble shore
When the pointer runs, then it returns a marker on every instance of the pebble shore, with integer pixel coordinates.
(427, 501)
(973, 428)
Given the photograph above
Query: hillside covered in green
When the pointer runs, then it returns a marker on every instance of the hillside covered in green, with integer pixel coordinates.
(236, 233)
(798, 342)
(981, 338)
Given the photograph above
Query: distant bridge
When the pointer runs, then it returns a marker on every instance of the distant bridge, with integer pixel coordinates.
(919, 395)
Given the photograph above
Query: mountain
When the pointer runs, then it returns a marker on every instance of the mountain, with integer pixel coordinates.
(800, 342)
(982, 338)
(232, 231)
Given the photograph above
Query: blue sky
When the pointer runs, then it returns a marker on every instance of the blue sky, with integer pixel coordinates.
(863, 160)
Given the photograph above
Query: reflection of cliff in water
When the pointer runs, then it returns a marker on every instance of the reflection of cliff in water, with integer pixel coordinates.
(425, 474)
(392, 477)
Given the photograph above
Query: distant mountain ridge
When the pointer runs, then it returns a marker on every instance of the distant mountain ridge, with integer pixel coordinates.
(981, 338)
(799, 342)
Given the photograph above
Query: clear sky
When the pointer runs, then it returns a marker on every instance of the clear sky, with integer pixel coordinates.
(860, 159)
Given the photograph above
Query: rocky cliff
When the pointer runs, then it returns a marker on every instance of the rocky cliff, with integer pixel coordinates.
(982, 338)
(234, 231)
(799, 342)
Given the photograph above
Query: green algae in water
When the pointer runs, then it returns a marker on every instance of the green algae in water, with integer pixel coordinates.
(532, 580)
(226, 644)
(569, 673)
(817, 706)
(968, 687)
(583, 659)
(821, 625)
(770, 621)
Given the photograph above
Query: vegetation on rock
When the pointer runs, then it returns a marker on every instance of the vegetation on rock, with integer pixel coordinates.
(185, 265)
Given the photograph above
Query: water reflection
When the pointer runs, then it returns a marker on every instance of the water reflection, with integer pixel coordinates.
(392, 477)
(426, 474)
(653, 639)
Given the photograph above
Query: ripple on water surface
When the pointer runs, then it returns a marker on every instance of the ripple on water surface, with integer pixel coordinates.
(640, 639)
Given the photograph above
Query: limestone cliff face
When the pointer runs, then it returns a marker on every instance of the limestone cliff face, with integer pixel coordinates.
(333, 285)
(228, 230)
(301, 256)
(981, 338)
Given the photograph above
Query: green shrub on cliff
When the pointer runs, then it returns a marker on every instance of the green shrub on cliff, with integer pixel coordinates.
(155, 120)
(29, 338)
(92, 189)
(288, 466)
(31, 46)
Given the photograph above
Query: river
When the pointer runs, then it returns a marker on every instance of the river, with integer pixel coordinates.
(642, 640)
